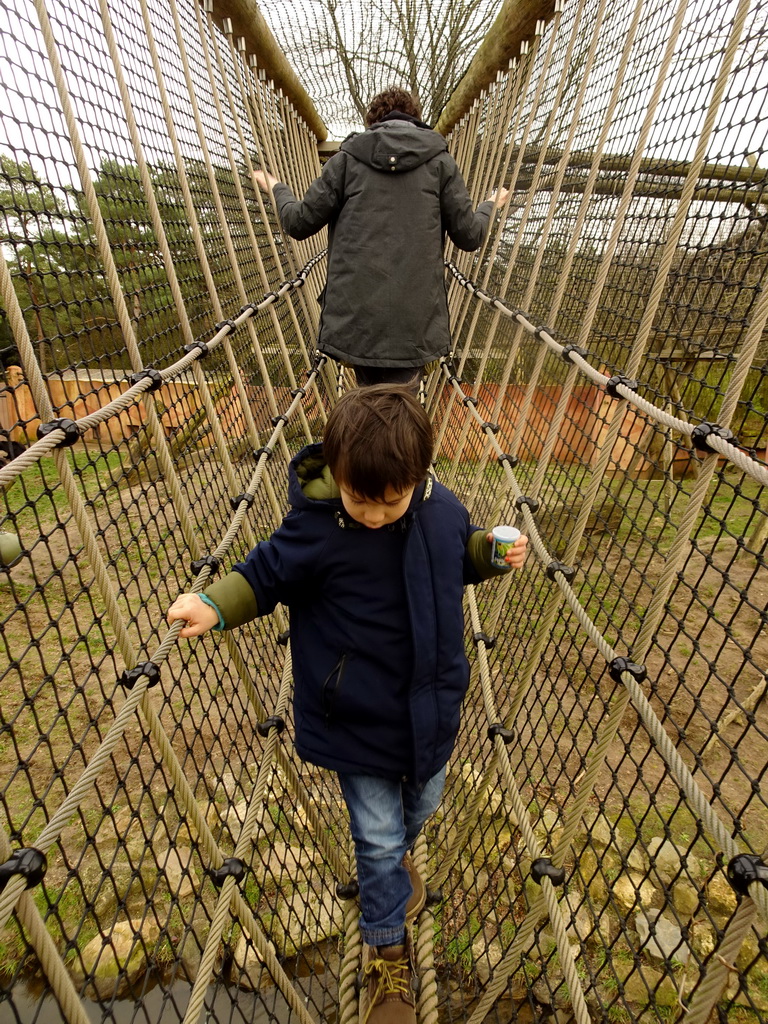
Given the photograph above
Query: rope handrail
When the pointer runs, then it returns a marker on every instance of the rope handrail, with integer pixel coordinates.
(705, 435)
(628, 676)
(138, 678)
(148, 380)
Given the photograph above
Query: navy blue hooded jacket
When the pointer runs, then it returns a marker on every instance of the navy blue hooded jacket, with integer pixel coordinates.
(377, 623)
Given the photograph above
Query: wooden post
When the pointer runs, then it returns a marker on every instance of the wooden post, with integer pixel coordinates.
(515, 22)
(248, 22)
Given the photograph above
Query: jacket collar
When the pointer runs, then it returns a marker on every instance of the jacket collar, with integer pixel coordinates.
(398, 115)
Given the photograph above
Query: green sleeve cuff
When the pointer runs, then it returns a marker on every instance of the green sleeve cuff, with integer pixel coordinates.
(480, 553)
(233, 599)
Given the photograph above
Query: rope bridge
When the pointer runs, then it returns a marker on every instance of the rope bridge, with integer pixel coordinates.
(602, 850)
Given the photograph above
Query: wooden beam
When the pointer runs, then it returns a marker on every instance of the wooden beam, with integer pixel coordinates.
(515, 22)
(748, 173)
(248, 22)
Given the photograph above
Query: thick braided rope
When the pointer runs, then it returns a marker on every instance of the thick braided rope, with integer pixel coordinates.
(754, 468)
(518, 807)
(222, 912)
(666, 748)
(216, 195)
(349, 1000)
(240, 69)
(49, 957)
(514, 343)
(425, 947)
(191, 212)
(246, 219)
(531, 64)
(45, 445)
(524, 80)
(162, 241)
(126, 712)
(710, 990)
(564, 275)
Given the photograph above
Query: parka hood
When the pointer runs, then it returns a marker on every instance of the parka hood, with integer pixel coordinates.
(397, 144)
(310, 484)
(310, 480)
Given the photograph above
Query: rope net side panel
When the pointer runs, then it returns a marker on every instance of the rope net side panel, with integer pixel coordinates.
(612, 761)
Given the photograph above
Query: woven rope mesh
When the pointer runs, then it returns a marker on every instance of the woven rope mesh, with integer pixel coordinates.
(601, 850)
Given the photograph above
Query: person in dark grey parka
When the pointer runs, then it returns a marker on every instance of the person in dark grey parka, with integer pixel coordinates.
(388, 196)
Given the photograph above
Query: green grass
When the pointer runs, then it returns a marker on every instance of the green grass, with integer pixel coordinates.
(39, 494)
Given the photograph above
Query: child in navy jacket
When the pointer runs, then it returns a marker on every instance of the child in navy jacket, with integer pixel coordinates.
(371, 562)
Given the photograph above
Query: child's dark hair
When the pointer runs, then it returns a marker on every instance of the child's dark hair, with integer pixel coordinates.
(391, 99)
(378, 437)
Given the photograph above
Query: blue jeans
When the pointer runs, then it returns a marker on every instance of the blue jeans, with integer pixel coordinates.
(386, 817)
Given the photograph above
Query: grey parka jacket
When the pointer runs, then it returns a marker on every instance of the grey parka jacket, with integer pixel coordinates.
(388, 197)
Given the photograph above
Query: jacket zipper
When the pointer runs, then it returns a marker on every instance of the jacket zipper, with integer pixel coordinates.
(332, 685)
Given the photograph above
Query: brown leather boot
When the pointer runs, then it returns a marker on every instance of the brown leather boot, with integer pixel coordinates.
(391, 990)
(419, 894)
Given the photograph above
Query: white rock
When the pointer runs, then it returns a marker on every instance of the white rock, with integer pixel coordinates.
(666, 942)
(665, 857)
(306, 920)
(177, 867)
(632, 892)
(114, 964)
(247, 967)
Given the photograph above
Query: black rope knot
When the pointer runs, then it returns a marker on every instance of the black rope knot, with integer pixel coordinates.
(511, 460)
(620, 664)
(298, 391)
(131, 676)
(198, 346)
(532, 503)
(544, 868)
(543, 329)
(70, 428)
(744, 869)
(284, 637)
(232, 867)
(230, 323)
(489, 641)
(613, 382)
(239, 498)
(154, 375)
(492, 428)
(28, 862)
(567, 571)
(506, 735)
(568, 350)
(468, 400)
(212, 561)
(273, 722)
(347, 890)
(276, 420)
(266, 450)
(702, 431)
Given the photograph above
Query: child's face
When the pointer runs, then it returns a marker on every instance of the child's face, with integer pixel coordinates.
(375, 514)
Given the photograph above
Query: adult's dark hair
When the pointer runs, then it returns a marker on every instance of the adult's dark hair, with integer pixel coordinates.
(378, 437)
(389, 100)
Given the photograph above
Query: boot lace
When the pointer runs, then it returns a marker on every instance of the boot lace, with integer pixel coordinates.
(391, 978)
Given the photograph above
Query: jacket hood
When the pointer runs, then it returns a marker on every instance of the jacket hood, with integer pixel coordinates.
(395, 145)
(310, 480)
(310, 484)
